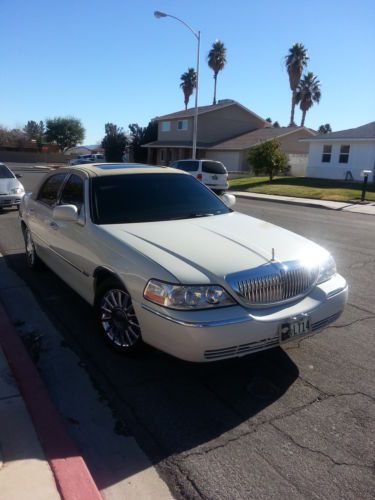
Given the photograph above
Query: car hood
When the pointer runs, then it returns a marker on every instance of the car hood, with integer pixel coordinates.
(206, 250)
(7, 184)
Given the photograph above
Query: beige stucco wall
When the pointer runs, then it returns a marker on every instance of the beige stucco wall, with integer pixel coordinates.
(226, 123)
(290, 143)
(214, 126)
(174, 134)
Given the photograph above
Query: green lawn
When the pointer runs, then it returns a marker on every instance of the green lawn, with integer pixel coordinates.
(303, 187)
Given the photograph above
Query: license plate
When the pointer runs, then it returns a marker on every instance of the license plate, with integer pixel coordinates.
(5, 201)
(214, 177)
(294, 327)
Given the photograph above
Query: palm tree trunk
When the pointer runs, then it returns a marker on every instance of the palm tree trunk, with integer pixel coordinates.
(292, 124)
(215, 80)
(303, 118)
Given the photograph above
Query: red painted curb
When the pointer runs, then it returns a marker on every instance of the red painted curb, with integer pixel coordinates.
(73, 479)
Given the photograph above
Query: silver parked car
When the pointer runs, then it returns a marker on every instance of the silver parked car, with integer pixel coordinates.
(11, 189)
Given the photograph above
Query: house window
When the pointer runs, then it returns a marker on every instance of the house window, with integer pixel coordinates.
(182, 125)
(165, 126)
(344, 154)
(327, 152)
(162, 155)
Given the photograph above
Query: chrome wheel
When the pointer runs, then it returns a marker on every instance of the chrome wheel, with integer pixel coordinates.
(118, 318)
(30, 249)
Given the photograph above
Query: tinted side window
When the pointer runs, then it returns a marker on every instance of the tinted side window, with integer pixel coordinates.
(188, 165)
(213, 167)
(50, 189)
(73, 192)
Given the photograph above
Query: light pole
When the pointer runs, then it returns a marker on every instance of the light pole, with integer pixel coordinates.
(197, 35)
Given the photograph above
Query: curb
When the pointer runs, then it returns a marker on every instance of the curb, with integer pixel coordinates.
(287, 202)
(73, 479)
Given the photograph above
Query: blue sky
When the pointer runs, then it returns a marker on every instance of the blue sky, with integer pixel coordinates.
(111, 60)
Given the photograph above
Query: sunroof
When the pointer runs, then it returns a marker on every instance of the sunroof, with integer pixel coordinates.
(114, 166)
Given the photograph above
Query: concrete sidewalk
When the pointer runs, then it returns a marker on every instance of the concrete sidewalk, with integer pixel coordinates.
(40, 460)
(24, 470)
(368, 208)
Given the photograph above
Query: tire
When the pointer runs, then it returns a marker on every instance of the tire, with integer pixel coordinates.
(32, 259)
(116, 318)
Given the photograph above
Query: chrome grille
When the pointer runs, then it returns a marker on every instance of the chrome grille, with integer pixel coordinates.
(274, 282)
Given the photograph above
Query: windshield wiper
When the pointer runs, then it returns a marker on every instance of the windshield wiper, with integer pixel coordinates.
(195, 215)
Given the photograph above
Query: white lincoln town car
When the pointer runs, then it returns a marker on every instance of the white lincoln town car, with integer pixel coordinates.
(164, 261)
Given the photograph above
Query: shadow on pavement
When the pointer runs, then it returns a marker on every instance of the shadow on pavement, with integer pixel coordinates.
(170, 406)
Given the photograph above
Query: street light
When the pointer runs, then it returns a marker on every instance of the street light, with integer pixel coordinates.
(197, 35)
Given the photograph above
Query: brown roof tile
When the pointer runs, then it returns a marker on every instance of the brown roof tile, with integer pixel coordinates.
(363, 132)
(255, 137)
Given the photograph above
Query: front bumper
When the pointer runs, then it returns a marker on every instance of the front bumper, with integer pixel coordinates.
(10, 200)
(236, 331)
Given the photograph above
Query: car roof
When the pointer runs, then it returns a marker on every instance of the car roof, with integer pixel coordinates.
(101, 169)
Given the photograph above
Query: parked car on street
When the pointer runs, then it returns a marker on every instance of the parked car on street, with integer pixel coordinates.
(11, 189)
(91, 158)
(212, 173)
(164, 261)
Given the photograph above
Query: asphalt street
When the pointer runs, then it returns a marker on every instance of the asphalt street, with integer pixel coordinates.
(297, 422)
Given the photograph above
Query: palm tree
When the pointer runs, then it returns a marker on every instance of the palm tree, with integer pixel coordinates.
(295, 61)
(217, 60)
(308, 92)
(188, 84)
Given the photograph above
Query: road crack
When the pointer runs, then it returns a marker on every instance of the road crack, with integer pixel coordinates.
(321, 453)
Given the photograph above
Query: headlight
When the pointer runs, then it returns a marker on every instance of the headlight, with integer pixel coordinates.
(17, 191)
(327, 269)
(187, 297)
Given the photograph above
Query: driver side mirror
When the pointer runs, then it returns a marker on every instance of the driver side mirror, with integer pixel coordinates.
(18, 176)
(228, 199)
(65, 212)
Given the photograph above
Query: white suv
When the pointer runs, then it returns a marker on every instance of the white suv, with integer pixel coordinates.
(91, 158)
(212, 173)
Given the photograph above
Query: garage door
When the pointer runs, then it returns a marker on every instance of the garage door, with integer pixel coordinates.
(230, 159)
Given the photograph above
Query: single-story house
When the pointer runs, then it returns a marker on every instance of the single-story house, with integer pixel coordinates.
(343, 154)
(226, 132)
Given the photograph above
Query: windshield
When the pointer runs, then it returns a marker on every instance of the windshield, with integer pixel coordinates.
(5, 173)
(126, 198)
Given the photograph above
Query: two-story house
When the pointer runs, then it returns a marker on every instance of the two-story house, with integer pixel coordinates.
(226, 132)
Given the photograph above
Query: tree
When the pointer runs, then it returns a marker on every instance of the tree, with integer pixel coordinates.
(269, 120)
(35, 131)
(188, 84)
(276, 124)
(268, 158)
(67, 132)
(325, 129)
(295, 61)
(114, 142)
(308, 92)
(13, 137)
(217, 59)
(139, 136)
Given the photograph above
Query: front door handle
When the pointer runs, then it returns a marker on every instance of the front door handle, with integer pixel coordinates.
(54, 225)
